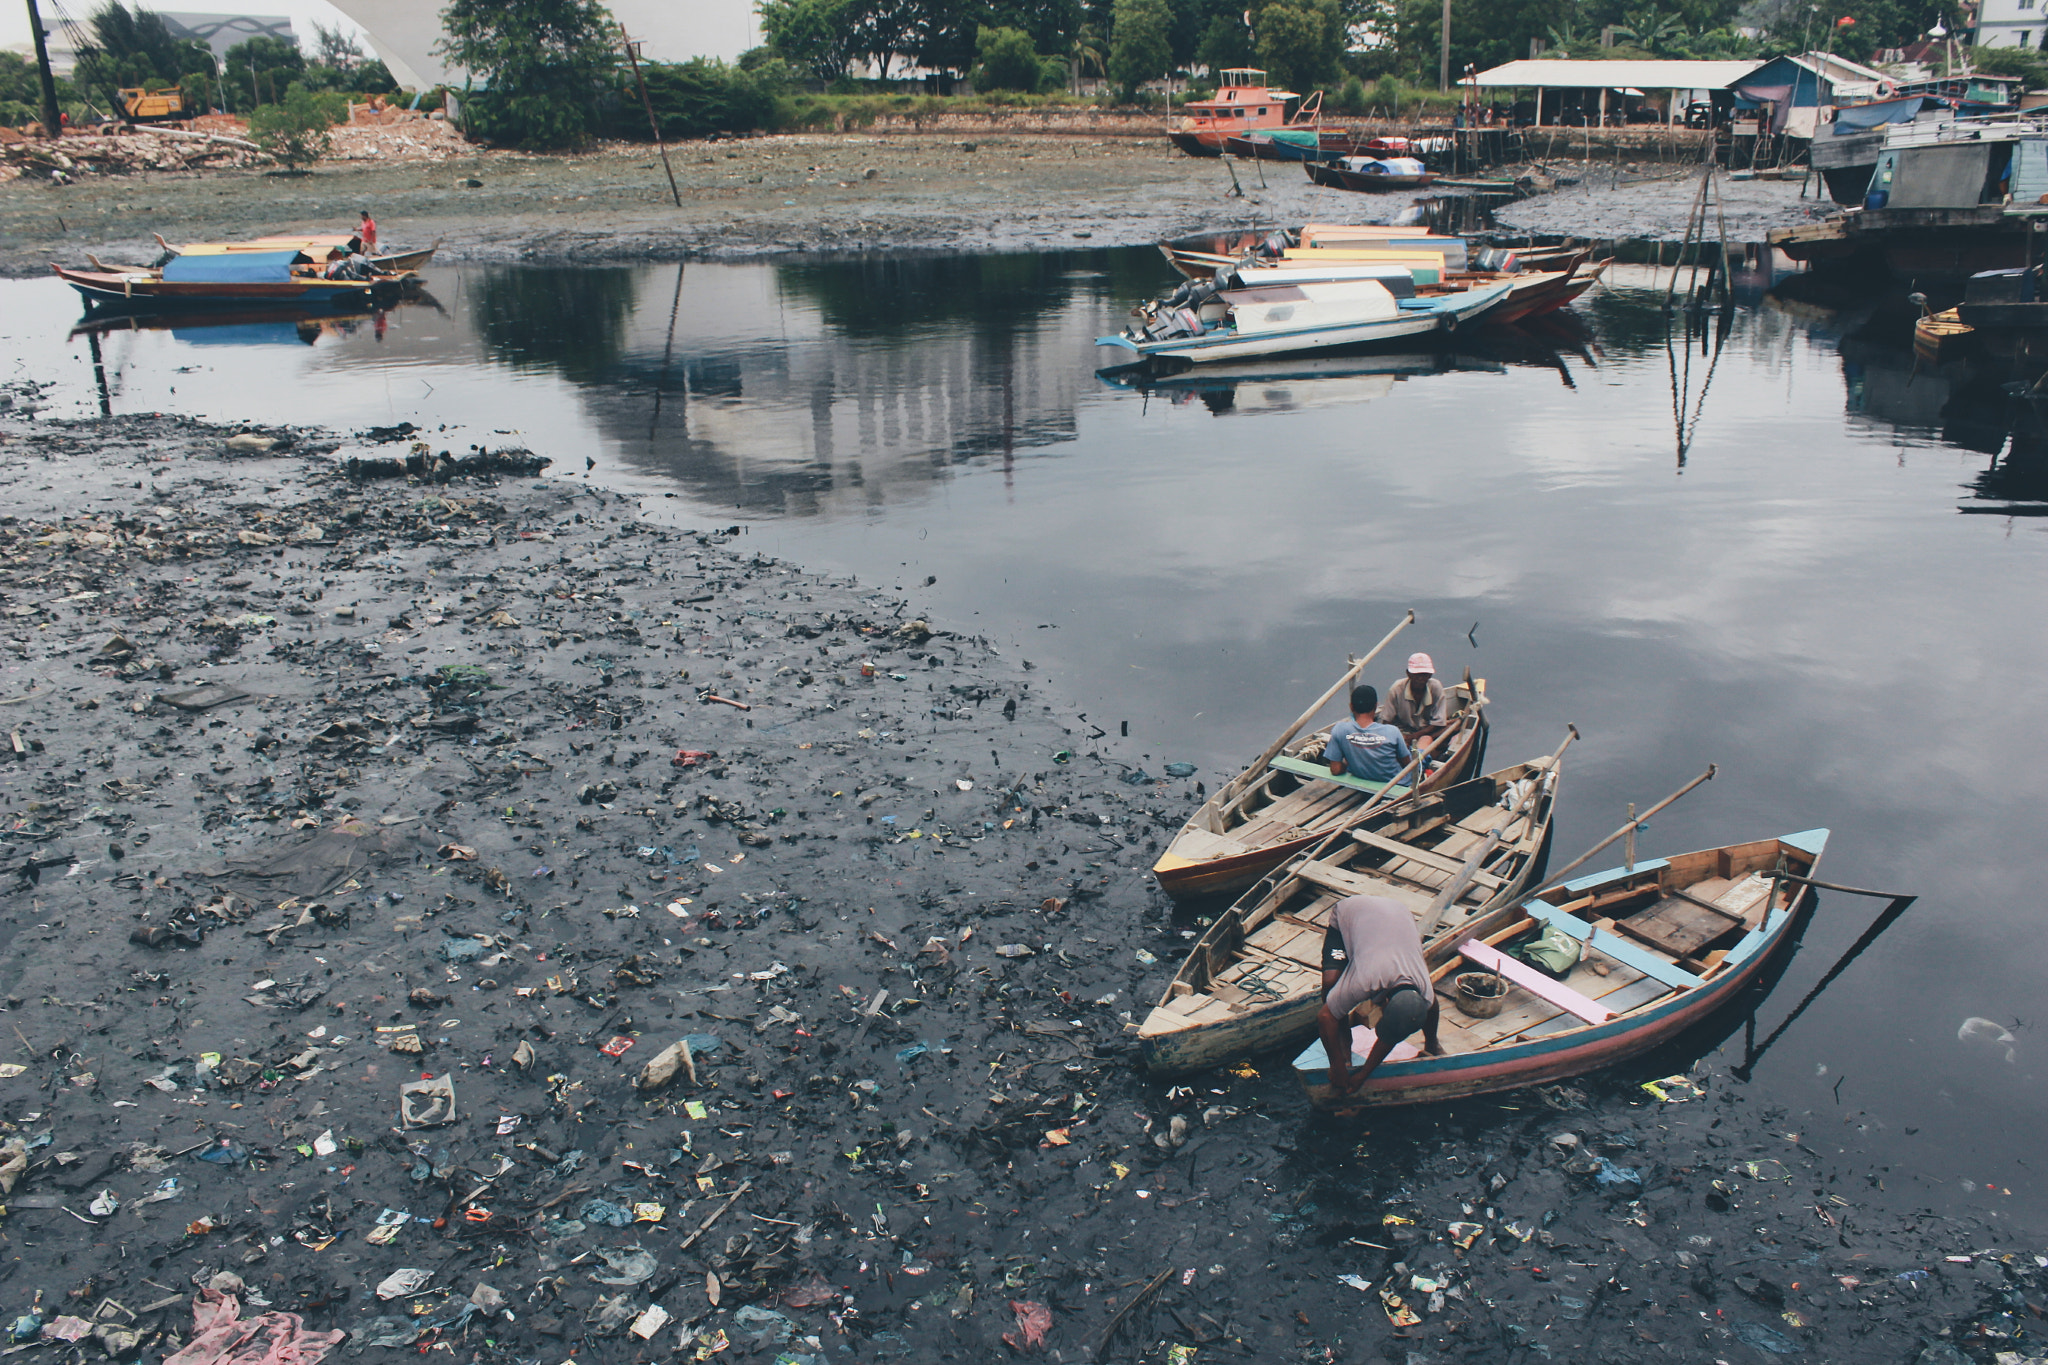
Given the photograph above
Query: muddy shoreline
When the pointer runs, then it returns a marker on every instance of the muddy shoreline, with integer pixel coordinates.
(771, 196)
(913, 929)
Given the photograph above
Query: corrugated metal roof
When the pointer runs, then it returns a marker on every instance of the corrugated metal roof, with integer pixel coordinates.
(1650, 75)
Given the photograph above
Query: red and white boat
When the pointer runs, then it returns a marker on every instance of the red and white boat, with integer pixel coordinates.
(1244, 103)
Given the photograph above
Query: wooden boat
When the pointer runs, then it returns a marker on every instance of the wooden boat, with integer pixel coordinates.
(1679, 938)
(1941, 336)
(1332, 175)
(1288, 144)
(1243, 103)
(235, 278)
(317, 249)
(1254, 979)
(1285, 801)
(1286, 319)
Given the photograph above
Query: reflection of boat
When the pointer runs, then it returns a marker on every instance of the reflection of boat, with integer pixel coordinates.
(1286, 801)
(1679, 938)
(232, 278)
(1283, 319)
(1243, 103)
(1369, 174)
(1254, 979)
(278, 324)
(1291, 385)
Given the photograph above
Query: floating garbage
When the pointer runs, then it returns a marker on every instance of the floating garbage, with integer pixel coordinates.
(1181, 770)
(1978, 1027)
(399, 1283)
(605, 1212)
(1609, 1176)
(1034, 1320)
(627, 1267)
(427, 1103)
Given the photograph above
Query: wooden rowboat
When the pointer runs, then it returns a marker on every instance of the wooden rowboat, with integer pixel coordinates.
(1941, 336)
(1332, 176)
(1678, 938)
(1254, 979)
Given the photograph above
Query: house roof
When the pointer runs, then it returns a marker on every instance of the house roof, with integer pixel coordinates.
(1565, 73)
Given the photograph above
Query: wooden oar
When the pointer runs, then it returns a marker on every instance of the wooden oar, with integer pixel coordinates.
(1637, 823)
(1449, 895)
(1259, 763)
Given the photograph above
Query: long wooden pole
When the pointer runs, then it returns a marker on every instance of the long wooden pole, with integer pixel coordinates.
(52, 125)
(654, 127)
(1557, 880)
(1449, 895)
(1259, 764)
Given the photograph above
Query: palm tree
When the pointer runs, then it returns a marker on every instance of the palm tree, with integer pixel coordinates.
(1652, 30)
(1087, 50)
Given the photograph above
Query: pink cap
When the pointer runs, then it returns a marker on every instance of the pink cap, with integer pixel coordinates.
(1420, 663)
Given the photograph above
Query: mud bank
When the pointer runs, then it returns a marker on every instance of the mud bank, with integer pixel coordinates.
(325, 785)
(1608, 208)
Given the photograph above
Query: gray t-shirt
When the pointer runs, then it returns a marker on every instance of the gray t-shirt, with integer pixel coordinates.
(1381, 953)
(1400, 709)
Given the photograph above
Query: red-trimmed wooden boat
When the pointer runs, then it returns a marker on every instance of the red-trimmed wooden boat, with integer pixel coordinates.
(1678, 938)
(1254, 979)
(1243, 103)
(1279, 808)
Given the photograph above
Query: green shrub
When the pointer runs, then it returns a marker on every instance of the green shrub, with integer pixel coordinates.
(295, 130)
(701, 97)
(1005, 59)
(1351, 96)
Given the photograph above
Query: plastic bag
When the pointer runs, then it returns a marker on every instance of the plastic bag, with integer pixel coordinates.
(1552, 952)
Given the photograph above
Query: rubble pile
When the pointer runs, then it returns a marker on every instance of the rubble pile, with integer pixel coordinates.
(82, 154)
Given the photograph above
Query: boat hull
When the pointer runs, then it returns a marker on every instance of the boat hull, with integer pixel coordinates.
(127, 291)
(1192, 880)
(1430, 1080)
(1332, 177)
(1198, 144)
(1264, 149)
(1228, 344)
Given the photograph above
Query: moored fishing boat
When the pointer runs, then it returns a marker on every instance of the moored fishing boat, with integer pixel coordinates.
(1284, 319)
(319, 249)
(1288, 144)
(1285, 800)
(236, 278)
(1254, 979)
(1677, 938)
(1243, 103)
(1370, 174)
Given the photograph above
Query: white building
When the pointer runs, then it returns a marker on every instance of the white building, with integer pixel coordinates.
(2011, 23)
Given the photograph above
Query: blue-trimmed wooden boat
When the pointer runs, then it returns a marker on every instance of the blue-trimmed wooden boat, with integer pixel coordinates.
(1677, 938)
(1254, 979)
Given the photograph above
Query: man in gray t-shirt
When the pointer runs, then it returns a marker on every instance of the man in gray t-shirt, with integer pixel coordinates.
(1373, 969)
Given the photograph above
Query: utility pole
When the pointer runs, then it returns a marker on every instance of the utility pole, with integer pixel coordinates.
(1443, 51)
(52, 126)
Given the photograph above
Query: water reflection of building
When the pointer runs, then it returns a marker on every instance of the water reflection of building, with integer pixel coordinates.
(785, 393)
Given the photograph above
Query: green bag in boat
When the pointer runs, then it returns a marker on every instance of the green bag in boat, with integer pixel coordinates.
(1552, 952)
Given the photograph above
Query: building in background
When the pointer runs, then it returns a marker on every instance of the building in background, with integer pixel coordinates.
(2011, 23)
(222, 31)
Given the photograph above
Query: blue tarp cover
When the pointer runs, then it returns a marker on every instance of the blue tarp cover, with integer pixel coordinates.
(232, 267)
(1861, 118)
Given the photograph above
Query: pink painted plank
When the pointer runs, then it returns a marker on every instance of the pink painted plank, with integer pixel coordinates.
(1362, 1039)
(1536, 983)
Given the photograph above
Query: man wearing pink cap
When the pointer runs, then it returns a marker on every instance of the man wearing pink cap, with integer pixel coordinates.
(1416, 705)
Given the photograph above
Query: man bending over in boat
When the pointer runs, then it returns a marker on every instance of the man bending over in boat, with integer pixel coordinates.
(1416, 705)
(1373, 974)
(1362, 746)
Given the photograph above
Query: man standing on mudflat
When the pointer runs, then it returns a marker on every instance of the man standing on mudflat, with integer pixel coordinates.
(1373, 974)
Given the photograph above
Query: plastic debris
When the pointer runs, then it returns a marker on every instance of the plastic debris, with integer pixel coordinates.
(104, 1206)
(627, 1267)
(427, 1103)
(228, 1153)
(1180, 770)
(649, 1322)
(1355, 1281)
(662, 1067)
(605, 1212)
(617, 1046)
(399, 1283)
(1034, 1320)
(1609, 1176)
(1764, 1339)
(912, 1053)
(1977, 1027)
(1674, 1089)
(766, 1326)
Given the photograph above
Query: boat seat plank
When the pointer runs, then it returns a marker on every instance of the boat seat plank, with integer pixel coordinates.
(1637, 993)
(1427, 857)
(1301, 767)
(1199, 845)
(1524, 1013)
(1536, 983)
(1616, 947)
(1352, 884)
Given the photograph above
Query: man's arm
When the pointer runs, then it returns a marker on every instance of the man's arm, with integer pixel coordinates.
(1356, 1080)
(1336, 1043)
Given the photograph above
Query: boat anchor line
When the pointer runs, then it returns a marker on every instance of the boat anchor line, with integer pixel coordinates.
(1753, 1051)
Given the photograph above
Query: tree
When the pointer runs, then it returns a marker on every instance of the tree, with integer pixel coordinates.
(1138, 46)
(1226, 43)
(1300, 41)
(544, 63)
(817, 36)
(1086, 52)
(295, 129)
(257, 70)
(134, 47)
(1005, 60)
(334, 46)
